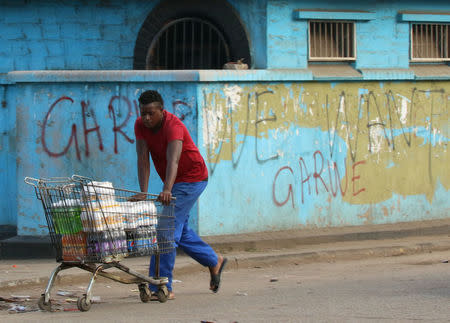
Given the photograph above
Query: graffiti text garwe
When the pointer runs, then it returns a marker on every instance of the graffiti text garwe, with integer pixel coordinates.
(94, 129)
(316, 180)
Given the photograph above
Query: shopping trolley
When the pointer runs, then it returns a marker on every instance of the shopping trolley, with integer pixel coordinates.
(93, 226)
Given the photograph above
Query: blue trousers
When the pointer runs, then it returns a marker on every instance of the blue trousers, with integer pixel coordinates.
(184, 237)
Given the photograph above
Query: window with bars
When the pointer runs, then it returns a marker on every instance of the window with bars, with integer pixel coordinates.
(430, 42)
(188, 43)
(331, 41)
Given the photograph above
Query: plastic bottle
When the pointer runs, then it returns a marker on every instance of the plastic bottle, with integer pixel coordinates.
(131, 247)
(85, 221)
(112, 243)
(123, 242)
(153, 241)
(138, 240)
(104, 244)
(143, 241)
(148, 239)
(93, 246)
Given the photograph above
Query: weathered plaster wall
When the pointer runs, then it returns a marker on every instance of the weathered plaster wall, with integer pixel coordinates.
(73, 35)
(281, 155)
(8, 205)
(91, 35)
(86, 129)
(382, 42)
(286, 155)
(39, 35)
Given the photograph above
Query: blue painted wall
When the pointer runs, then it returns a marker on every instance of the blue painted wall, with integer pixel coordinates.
(49, 35)
(49, 115)
(281, 155)
(100, 36)
(381, 43)
(285, 155)
(8, 154)
(57, 35)
(90, 35)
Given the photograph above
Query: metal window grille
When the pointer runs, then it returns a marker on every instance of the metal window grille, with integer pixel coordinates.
(430, 42)
(331, 41)
(188, 43)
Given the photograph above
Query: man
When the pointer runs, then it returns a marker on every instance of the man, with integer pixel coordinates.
(183, 171)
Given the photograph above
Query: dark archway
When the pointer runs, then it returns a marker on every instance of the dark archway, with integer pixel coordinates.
(218, 13)
(188, 43)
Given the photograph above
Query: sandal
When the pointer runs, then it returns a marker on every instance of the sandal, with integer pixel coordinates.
(215, 279)
(154, 297)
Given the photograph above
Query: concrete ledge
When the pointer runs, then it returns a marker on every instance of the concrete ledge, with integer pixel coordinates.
(289, 238)
(84, 76)
(324, 14)
(65, 76)
(27, 247)
(35, 247)
(343, 72)
(325, 72)
(7, 231)
(423, 16)
(431, 71)
(387, 74)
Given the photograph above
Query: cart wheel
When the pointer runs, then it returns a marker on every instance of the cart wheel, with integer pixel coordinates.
(162, 296)
(82, 304)
(44, 306)
(144, 293)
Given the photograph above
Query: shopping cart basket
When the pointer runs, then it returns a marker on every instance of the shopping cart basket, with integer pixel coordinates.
(93, 226)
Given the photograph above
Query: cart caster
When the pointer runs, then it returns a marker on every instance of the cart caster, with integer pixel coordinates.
(82, 304)
(44, 306)
(163, 294)
(144, 293)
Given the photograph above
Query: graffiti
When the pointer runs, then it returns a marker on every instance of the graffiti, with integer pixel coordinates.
(382, 119)
(86, 113)
(183, 110)
(213, 123)
(290, 194)
(260, 120)
(180, 108)
(387, 119)
(84, 106)
(118, 129)
(386, 129)
(73, 135)
(318, 179)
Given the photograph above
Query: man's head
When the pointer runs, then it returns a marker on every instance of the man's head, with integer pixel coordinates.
(151, 105)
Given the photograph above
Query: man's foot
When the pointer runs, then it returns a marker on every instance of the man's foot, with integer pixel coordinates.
(216, 272)
(154, 296)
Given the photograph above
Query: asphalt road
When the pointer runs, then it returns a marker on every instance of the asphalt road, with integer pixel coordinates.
(391, 289)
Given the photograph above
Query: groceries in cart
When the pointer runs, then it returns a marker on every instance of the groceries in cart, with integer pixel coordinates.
(104, 224)
(92, 221)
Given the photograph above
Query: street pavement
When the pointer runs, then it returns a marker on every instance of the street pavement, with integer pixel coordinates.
(255, 249)
(395, 287)
(345, 274)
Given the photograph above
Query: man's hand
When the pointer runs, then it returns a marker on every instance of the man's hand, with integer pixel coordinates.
(137, 197)
(165, 197)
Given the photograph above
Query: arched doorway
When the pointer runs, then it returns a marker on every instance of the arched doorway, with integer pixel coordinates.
(195, 34)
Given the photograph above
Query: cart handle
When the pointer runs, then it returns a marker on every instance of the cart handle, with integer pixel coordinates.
(31, 181)
(79, 178)
(39, 182)
(83, 179)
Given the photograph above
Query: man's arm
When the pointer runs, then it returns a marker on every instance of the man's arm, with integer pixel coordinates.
(143, 168)
(173, 154)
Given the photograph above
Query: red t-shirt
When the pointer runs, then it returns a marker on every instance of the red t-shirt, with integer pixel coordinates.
(191, 167)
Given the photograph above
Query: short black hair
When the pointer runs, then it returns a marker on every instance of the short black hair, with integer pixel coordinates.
(150, 96)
